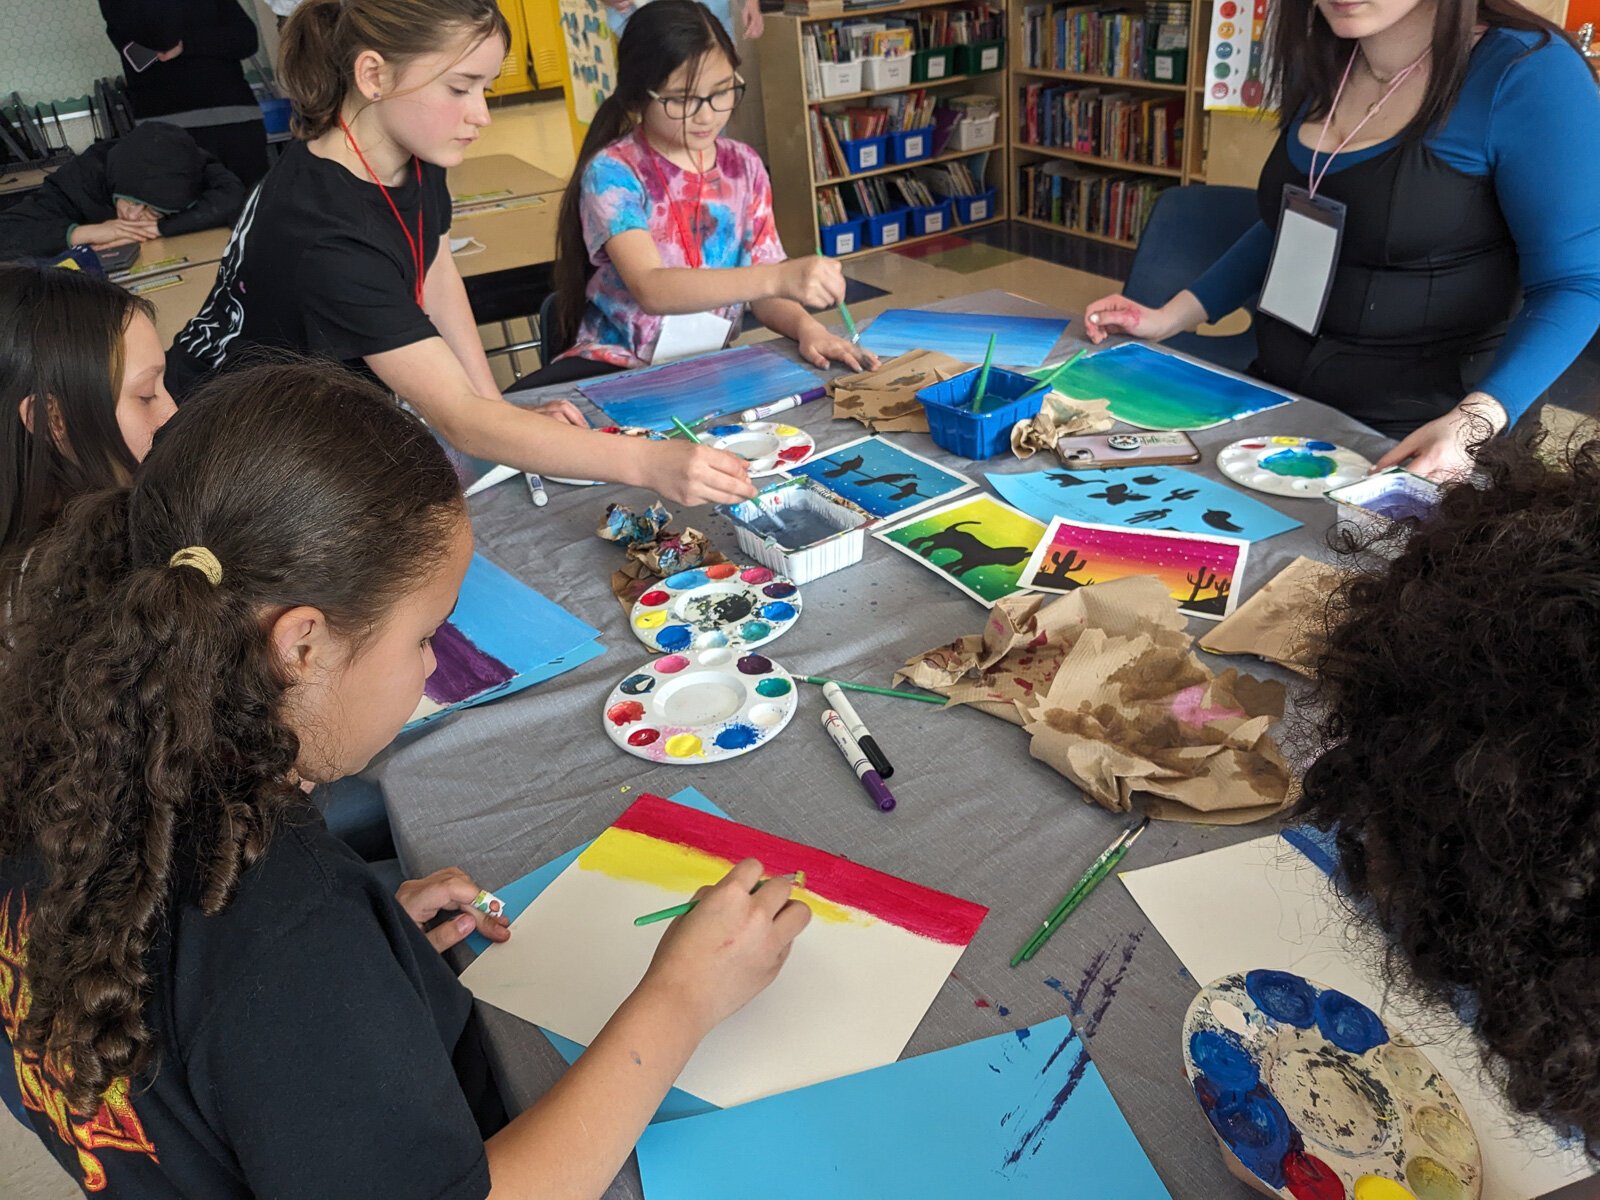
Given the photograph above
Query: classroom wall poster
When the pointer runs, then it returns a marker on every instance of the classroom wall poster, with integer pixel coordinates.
(591, 54)
(1235, 79)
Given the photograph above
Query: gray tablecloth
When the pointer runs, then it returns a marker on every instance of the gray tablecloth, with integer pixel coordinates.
(502, 788)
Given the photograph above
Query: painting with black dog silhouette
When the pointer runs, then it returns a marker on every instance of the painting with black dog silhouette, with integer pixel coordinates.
(977, 543)
(1201, 573)
(885, 479)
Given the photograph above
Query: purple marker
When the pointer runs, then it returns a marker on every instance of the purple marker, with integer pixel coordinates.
(762, 411)
(870, 779)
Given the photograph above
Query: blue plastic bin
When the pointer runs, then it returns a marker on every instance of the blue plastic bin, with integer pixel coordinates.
(887, 229)
(971, 209)
(866, 154)
(841, 239)
(933, 218)
(275, 113)
(913, 145)
(983, 434)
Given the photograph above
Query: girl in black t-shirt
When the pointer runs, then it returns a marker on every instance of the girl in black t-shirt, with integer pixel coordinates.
(92, 349)
(343, 250)
(202, 992)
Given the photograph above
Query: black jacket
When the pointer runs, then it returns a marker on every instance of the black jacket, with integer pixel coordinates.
(217, 36)
(157, 163)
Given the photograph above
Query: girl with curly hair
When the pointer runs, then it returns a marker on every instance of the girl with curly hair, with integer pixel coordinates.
(1459, 767)
(202, 992)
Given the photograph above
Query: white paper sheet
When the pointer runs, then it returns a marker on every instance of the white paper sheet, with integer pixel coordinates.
(684, 335)
(1261, 904)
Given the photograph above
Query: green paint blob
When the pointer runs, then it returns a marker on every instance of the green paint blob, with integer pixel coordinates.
(1300, 464)
(774, 687)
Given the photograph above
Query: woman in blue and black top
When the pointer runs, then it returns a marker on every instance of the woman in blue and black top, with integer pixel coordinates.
(1454, 140)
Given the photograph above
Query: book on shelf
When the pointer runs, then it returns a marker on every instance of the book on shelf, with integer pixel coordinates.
(1114, 125)
(1097, 39)
(1083, 200)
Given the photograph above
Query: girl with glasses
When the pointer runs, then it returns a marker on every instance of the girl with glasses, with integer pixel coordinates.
(666, 230)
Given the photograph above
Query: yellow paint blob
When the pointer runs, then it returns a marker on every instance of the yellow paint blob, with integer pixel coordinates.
(652, 619)
(787, 431)
(1375, 1187)
(640, 858)
(1286, 441)
(1432, 1180)
(683, 745)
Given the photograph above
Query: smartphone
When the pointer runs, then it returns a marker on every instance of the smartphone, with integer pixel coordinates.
(1094, 451)
(139, 57)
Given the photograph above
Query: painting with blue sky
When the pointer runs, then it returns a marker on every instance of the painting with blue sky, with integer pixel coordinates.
(885, 479)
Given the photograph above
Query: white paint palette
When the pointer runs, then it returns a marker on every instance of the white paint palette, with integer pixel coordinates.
(728, 604)
(700, 707)
(767, 446)
(1317, 1097)
(1291, 466)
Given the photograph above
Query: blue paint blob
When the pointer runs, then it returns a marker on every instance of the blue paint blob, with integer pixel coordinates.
(638, 685)
(725, 430)
(1283, 997)
(778, 611)
(1221, 1057)
(1349, 1024)
(1003, 1011)
(713, 638)
(674, 637)
(754, 631)
(687, 579)
(779, 591)
(737, 737)
(1321, 446)
(1255, 1128)
(1296, 464)
(1024, 1034)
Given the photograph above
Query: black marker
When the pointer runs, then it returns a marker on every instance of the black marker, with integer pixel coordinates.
(865, 740)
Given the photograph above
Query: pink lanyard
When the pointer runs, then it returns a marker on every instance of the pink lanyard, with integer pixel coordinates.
(1314, 177)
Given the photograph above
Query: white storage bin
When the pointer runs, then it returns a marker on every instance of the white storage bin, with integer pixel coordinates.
(842, 539)
(879, 73)
(973, 133)
(841, 79)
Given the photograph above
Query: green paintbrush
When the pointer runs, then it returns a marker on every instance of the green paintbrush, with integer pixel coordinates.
(1046, 380)
(876, 691)
(677, 910)
(686, 431)
(1086, 882)
(983, 376)
(849, 323)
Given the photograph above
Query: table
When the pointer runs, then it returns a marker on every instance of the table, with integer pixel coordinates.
(502, 788)
(163, 255)
(176, 303)
(492, 177)
(22, 179)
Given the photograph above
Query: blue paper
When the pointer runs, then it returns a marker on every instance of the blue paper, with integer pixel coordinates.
(516, 897)
(1162, 498)
(693, 389)
(1023, 1115)
(1019, 341)
(504, 618)
(883, 478)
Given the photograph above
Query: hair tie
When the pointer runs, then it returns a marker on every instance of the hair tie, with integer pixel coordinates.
(201, 560)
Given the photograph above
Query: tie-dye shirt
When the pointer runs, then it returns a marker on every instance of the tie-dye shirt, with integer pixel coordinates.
(628, 185)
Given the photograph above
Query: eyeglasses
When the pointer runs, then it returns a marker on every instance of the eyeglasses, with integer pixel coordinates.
(681, 108)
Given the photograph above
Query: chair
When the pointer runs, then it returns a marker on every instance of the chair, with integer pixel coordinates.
(1189, 229)
(548, 350)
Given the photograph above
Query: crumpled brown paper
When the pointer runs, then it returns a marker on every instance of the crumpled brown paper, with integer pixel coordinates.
(1059, 417)
(1282, 621)
(1107, 684)
(885, 400)
(654, 552)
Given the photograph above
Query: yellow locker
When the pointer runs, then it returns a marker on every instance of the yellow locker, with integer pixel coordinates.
(542, 21)
(514, 76)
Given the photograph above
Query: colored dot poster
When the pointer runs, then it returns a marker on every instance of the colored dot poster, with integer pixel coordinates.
(1235, 71)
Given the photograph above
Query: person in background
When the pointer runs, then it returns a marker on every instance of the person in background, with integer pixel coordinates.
(183, 64)
(1452, 138)
(154, 181)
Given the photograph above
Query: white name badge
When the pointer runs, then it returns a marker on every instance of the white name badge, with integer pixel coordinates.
(1300, 275)
(684, 335)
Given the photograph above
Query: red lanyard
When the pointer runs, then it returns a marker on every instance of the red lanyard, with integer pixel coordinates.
(416, 244)
(692, 253)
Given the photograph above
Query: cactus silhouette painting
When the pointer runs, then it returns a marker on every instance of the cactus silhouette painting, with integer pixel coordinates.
(1199, 572)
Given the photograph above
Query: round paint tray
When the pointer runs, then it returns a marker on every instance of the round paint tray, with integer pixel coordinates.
(1291, 466)
(1316, 1097)
(701, 706)
(722, 605)
(767, 447)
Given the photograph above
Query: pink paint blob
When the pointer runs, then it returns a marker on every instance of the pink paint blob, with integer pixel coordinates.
(671, 664)
(625, 712)
(652, 599)
(643, 737)
(1188, 707)
(756, 575)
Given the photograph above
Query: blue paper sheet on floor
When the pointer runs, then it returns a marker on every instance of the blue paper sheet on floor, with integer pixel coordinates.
(519, 894)
(1142, 498)
(1020, 1115)
(1019, 341)
(693, 389)
(502, 637)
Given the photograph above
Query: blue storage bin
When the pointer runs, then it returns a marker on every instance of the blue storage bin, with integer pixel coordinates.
(987, 432)
(887, 229)
(866, 154)
(913, 145)
(933, 218)
(275, 113)
(841, 239)
(970, 209)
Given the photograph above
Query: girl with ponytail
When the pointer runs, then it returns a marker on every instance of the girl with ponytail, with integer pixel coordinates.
(343, 251)
(657, 195)
(202, 993)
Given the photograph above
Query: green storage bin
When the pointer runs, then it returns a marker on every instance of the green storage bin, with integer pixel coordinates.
(930, 66)
(979, 58)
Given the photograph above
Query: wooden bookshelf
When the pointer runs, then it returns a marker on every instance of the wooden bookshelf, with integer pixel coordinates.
(788, 107)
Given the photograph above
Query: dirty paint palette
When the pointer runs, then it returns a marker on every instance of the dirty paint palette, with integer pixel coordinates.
(1291, 466)
(1317, 1097)
(727, 604)
(767, 446)
(701, 706)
